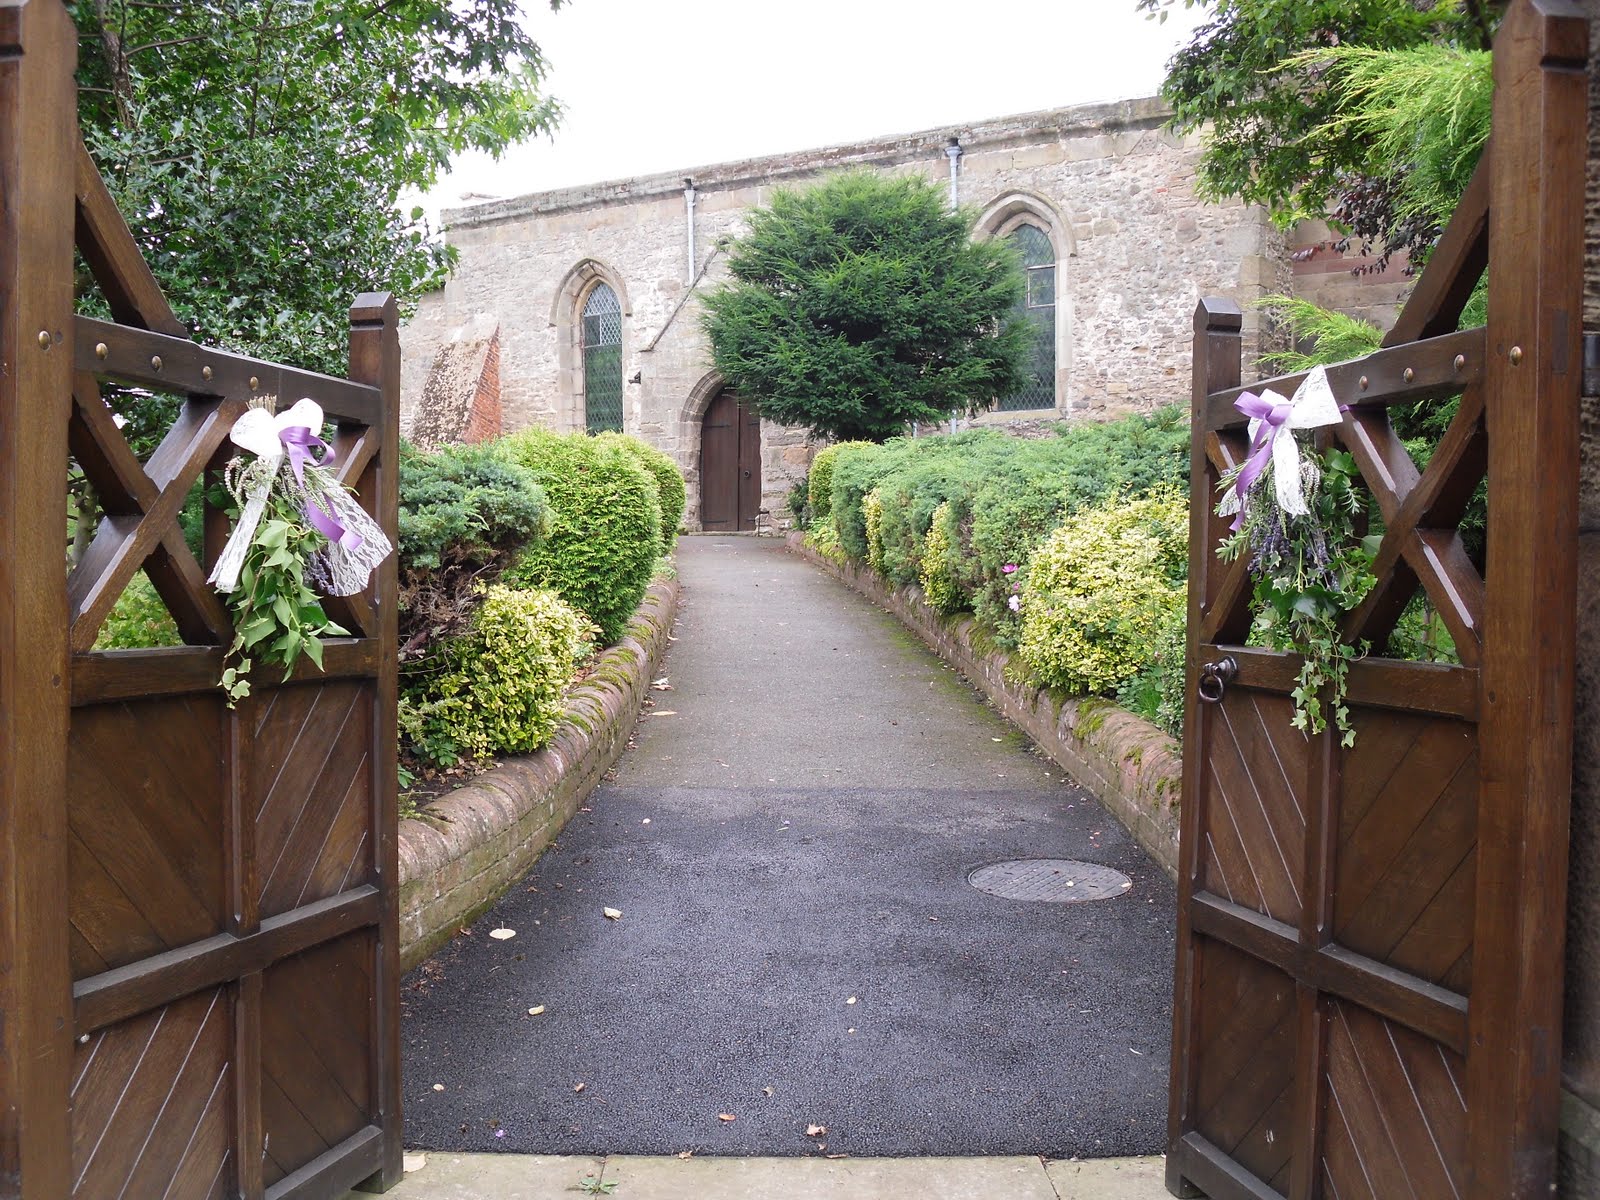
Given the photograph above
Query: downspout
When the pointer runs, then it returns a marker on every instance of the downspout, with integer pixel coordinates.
(688, 212)
(952, 151)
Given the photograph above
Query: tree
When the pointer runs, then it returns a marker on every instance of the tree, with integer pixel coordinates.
(260, 148)
(863, 304)
(1272, 79)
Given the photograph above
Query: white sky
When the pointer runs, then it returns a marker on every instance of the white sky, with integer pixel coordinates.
(659, 85)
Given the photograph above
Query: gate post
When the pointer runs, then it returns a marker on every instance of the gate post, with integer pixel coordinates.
(38, 148)
(375, 359)
(1533, 371)
(1217, 364)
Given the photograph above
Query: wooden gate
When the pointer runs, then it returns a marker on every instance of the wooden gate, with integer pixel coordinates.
(730, 465)
(198, 951)
(1369, 968)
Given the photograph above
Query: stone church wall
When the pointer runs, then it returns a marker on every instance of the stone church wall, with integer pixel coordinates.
(1135, 249)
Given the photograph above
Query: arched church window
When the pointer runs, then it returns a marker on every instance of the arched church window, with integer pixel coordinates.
(602, 360)
(1038, 312)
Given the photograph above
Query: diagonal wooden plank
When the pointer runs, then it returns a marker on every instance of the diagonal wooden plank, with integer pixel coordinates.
(114, 258)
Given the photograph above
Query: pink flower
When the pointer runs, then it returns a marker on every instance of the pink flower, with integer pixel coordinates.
(1015, 602)
(1009, 568)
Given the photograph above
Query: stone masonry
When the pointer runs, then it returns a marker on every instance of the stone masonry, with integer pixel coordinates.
(1135, 248)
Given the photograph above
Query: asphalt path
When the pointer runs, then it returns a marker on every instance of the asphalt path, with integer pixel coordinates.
(788, 841)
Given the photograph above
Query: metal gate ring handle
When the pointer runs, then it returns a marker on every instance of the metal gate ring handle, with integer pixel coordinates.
(1214, 679)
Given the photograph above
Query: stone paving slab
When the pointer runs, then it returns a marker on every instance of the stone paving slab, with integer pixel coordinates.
(561, 1177)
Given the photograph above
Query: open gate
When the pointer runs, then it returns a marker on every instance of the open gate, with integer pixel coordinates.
(1368, 983)
(198, 946)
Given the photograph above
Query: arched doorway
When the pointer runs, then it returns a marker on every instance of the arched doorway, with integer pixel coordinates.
(730, 465)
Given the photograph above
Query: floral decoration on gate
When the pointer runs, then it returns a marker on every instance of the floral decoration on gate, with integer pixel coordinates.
(1297, 514)
(298, 531)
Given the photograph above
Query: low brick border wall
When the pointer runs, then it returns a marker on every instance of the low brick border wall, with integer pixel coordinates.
(475, 842)
(1133, 768)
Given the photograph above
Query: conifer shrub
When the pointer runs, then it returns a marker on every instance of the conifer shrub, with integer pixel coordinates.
(941, 585)
(500, 687)
(1099, 592)
(605, 530)
(674, 493)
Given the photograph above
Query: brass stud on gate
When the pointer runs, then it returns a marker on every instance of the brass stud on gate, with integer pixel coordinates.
(1516, 355)
(205, 372)
(155, 362)
(1408, 375)
(254, 383)
(101, 349)
(44, 339)
(1363, 382)
(1461, 361)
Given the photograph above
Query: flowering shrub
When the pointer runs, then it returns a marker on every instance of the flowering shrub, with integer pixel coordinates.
(1100, 589)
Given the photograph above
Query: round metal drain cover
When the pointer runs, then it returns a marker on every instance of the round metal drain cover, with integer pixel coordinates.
(1055, 880)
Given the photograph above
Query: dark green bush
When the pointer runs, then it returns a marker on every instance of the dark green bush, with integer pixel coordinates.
(605, 528)
(466, 513)
(674, 494)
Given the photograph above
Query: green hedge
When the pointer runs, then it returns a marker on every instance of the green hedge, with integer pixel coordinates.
(819, 481)
(500, 688)
(674, 493)
(606, 527)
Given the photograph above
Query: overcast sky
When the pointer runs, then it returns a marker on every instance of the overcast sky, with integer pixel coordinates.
(665, 85)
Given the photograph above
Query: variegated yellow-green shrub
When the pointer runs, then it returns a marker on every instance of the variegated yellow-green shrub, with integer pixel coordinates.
(819, 481)
(1099, 591)
(941, 585)
(872, 515)
(500, 688)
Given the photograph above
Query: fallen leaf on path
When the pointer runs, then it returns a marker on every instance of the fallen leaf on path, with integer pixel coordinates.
(578, 1087)
(438, 1087)
(536, 1010)
(613, 914)
(413, 1162)
(726, 1117)
(838, 1156)
(816, 1130)
(685, 1153)
(661, 685)
(766, 1091)
(665, 712)
(852, 1000)
(501, 935)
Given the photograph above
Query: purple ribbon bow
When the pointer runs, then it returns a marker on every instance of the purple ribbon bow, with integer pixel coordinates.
(1272, 417)
(304, 447)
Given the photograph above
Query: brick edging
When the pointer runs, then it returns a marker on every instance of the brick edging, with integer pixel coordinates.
(1133, 768)
(477, 841)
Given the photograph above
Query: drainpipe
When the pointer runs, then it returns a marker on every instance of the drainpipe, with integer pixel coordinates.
(688, 212)
(952, 151)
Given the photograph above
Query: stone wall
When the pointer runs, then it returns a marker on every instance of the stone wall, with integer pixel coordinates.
(1135, 249)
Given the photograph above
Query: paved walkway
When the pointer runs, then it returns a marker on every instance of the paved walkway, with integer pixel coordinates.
(788, 844)
(551, 1177)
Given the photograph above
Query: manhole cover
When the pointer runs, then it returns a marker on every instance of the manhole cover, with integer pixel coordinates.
(1057, 880)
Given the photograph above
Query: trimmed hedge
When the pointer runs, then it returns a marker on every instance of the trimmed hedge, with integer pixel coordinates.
(498, 689)
(819, 481)
(674, 492)
(606, 528)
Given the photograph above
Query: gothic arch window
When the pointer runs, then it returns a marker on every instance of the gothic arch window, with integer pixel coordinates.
(1037, 310)
(602, 359)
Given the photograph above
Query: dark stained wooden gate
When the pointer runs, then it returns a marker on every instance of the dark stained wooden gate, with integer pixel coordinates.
(730, 465)
(1368, 998)
(198, 946)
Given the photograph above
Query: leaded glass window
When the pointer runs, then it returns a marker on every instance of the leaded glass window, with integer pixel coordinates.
(602, 360)
(1038, 312)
